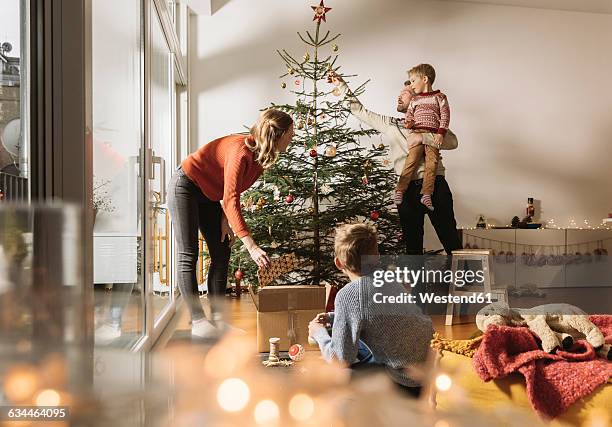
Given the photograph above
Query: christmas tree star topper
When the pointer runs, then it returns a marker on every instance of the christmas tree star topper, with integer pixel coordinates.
(320, 12)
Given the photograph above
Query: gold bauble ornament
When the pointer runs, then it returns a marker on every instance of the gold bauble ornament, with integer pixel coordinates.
(260, 203)
(283, 85)
(306, 57)
(291, 71)
(310, 122)
(300, 125)
(335, 47)
(331, 151)
(381, 146)
(336, 91)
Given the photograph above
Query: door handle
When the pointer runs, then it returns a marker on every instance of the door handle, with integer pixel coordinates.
(156, 160)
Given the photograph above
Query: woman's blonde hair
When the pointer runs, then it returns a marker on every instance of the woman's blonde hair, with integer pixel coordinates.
(267, 131)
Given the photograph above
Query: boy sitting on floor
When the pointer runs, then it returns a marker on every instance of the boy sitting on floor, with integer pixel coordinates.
(364, 332)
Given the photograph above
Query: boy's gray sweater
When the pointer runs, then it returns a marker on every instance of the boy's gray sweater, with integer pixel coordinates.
(398, 334)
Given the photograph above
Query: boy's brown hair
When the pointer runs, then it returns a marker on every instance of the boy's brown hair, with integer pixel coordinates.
(353, 241)
(424, 70)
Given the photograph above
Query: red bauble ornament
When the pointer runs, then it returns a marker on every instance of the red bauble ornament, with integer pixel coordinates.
(289, 198)
(239, 275)
(375, 215)
(313, 153)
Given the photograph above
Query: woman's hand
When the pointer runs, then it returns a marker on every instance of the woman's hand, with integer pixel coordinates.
(226, 230)
(257, 254)
(260, 257)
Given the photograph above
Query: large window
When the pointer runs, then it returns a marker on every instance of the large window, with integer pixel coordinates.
(13, 101)
(117, 76)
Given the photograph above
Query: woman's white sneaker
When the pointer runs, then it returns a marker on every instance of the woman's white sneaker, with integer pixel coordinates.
(202, 328)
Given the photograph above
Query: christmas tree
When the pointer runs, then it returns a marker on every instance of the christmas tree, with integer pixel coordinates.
(330, 174)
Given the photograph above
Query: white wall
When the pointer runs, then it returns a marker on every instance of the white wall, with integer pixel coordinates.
(10, 23)
(529, 89)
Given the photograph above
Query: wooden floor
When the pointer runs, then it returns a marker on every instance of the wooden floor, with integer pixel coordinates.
(241, 313)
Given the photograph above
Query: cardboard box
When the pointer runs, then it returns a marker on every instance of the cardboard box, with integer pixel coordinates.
(284, 312)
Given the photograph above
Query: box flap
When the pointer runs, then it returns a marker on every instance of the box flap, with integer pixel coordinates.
(283, 298)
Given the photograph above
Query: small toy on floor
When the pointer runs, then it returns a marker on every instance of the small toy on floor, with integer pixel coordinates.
(274, 357)
(557, 325)
(296, 352)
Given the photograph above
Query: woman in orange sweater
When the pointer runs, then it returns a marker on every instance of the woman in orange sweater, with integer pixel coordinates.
(204, 195)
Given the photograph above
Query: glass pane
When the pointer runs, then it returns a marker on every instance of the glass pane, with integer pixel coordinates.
(13, 105)
(163, 143)
(117, 119)
(41, 293)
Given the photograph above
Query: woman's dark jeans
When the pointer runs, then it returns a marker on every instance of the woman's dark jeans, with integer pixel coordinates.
(191, 211)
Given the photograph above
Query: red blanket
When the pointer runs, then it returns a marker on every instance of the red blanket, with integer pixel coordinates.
(554, 381)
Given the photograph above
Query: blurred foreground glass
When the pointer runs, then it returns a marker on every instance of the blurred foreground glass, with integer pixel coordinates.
(42, 292)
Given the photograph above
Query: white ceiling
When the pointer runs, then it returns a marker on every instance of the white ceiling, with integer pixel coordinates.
(593, 6)
(206, 7)
(200, 7)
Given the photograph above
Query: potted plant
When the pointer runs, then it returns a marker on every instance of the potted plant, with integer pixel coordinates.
(102, 200)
